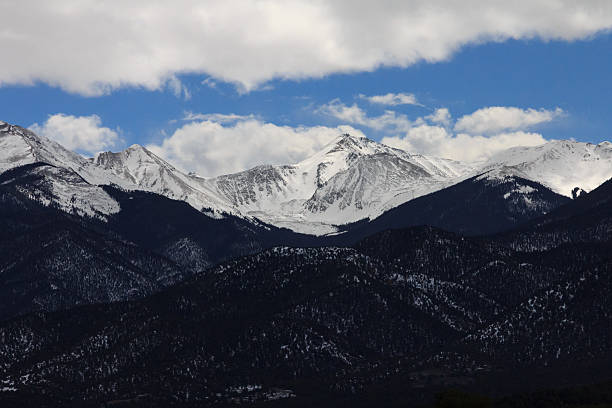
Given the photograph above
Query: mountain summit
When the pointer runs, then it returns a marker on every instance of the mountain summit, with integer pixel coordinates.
(351, 178)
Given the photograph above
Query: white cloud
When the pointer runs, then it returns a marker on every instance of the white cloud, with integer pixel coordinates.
(209, 82)
(213, 144)
(80, 133)
(392, 99)
(355, 115)
(440, 116)
(437, 141)
(146, 43)
(178, 89)
(216, 117)
(501, 118)
(474, 137)
(212, 148)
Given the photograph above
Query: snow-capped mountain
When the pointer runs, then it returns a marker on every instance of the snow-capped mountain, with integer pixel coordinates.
(355, 178)
(561, 165)
(135, 168)
(349, 179)
(68, 180)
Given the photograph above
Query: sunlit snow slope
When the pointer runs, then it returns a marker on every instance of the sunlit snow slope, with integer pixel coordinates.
(561, 165)
(349, 179)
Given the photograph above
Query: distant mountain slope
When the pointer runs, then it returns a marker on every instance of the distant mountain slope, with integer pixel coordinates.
(585, 219)
(477, 206)
(140, 169)
(135, 168)
(51, 260)
(189, 237)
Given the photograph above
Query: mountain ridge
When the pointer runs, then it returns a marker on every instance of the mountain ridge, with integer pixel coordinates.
(349, 180)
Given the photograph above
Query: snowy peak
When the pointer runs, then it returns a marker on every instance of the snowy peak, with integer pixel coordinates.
(136, 164)
(62, 178)
(19, 146)
(137, 168)
(339, 155)
(349, 179)
(14, 150)
(561, 165)
(355, 144)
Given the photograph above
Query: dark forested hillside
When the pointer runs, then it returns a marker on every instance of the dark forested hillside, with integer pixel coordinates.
(51, 259)
(476, 206)
(585, 219)
(322, 325)
(189, 237)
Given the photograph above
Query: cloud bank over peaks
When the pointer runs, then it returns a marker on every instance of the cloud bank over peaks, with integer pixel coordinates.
(501, 118)
(211, 145)
(84, 134)
(473, 137)
(149, 43)
(353, 114)
(214, 144)
(437, 141)
(440, 116)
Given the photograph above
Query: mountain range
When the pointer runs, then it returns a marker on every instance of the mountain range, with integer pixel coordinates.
(349, 180)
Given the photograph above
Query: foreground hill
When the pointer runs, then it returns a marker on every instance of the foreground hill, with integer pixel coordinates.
(407, 311)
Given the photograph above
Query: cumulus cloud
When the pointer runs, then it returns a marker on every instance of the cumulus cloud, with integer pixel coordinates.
(392, 99)
(501, 118)
(84, 134)
(146, 43)
(355, 115)
(437, 141)
(474, 137)
(441, 116)
(212, 148)
(214, 144)
(209, 82)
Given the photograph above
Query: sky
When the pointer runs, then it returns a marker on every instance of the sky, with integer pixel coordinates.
(220, 86)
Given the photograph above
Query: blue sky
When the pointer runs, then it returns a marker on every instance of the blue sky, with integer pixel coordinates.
(574, 76)
(567, 77)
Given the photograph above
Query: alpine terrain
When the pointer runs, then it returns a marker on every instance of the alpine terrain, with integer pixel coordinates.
(351, 179)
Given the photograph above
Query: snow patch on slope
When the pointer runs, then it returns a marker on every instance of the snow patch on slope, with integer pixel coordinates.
(70, 192)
